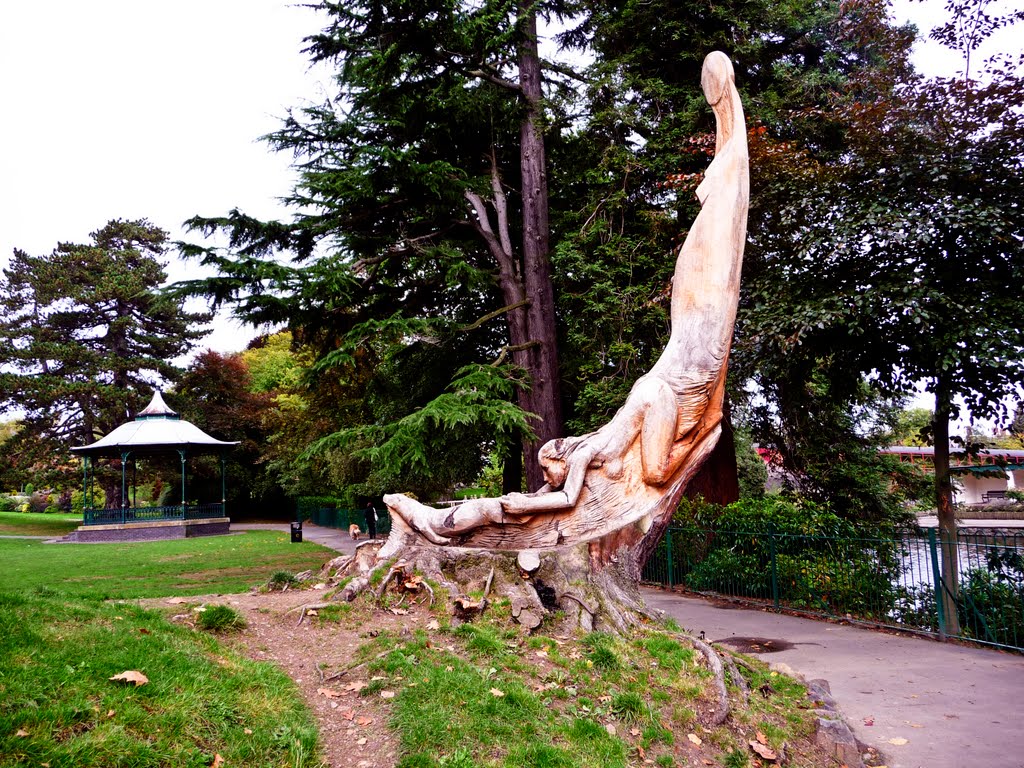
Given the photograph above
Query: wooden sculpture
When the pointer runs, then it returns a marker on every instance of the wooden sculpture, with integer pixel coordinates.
(606, 489)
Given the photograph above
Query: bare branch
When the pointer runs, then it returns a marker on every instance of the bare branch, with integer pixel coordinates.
(491, 315)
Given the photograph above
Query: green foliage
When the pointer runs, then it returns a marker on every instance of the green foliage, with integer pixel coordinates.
(909, 256)
(84, 338)
(817, 559)
(219, 618)
(751, 471)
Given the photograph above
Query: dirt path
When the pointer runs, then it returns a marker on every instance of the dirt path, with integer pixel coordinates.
(353, 728)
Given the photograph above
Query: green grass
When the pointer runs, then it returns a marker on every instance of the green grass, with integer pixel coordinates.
(35, 524)
(218, 564)
(58, 707)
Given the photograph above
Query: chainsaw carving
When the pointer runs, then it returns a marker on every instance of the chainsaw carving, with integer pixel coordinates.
(633, 470)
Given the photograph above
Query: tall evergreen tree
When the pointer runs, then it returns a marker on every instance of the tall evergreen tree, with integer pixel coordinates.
(84, 338)
(424, 186)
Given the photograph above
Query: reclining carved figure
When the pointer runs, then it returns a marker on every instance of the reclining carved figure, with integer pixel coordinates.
(636, 467)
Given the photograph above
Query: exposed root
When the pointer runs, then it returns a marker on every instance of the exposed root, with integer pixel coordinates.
(721, 711)
(353, 668)
(332, 568)
(305, 608)
(397, 570)
(737, 679)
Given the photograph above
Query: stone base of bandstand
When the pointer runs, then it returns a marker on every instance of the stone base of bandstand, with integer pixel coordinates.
(154, 530)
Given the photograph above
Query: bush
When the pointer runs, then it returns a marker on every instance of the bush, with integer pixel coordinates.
(821, 562)
(8, 504)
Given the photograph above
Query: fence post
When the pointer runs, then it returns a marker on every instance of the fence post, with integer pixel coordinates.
(668, 552)
(937, 583)
(775, 565)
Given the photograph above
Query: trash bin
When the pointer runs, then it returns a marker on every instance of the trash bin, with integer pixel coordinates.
(296, 531)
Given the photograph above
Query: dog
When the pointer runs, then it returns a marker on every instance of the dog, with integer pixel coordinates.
(354, 532)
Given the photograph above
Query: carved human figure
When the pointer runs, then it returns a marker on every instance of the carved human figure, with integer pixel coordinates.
(672, 414)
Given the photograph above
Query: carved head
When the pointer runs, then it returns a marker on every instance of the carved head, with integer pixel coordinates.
(716, 77)
(552, 457)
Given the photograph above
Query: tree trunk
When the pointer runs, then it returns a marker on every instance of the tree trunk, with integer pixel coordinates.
(545, 396)
(949, 589)
(717, 482)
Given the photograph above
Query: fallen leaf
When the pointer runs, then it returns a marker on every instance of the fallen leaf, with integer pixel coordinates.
(312, 612)
(110, 713)
(915, 725)
(640, 751)
(387, 694)
(364, 721)
(22, 733)
(375, 678)
(356, 685)
(694, 739)
(610, 728)
(130, 676)
(144, 631)
(542, 654)
(899, 741)
(604, 699)
(330, 693)
(762, 738)
(496, 692)
(348, 714)
(360, 742)
(433, 624)
(399, 611)
(247, 731)
(218, 761)
(320, 585)
(635, 731)
(763, 750)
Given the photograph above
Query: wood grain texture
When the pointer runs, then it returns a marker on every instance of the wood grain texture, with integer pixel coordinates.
(633, 471)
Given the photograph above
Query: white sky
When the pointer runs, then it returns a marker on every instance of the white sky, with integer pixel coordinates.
(139, 109)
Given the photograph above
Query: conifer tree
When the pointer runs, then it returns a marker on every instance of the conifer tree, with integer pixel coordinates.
(84, 338)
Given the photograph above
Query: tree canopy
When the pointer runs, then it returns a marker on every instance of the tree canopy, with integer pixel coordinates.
(85, 336)
(415, 266)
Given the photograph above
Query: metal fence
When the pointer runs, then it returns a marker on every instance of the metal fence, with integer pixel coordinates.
(340, 517)
(890, 581)
(152, 514)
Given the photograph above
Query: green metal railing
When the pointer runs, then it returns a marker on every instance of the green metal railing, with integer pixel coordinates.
(890, 581)
(340, 517)
(152, 514)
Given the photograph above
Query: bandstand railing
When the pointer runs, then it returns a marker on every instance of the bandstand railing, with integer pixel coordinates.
(152, 514)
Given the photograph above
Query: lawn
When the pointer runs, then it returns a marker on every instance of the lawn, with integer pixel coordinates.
(58, 706)
(220, 564)
(34, 524)
(60, 643)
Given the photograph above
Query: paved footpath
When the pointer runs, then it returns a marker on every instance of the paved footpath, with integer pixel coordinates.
(956, 707)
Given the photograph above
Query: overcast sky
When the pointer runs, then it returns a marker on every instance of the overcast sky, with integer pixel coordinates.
(138, 109)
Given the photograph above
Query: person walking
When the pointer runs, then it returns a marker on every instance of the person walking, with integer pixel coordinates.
(371, 520)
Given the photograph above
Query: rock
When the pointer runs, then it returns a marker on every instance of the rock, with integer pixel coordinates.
(529, 619)
(837, 738)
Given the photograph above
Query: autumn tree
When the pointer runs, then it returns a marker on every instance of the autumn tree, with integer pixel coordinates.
(85, 336)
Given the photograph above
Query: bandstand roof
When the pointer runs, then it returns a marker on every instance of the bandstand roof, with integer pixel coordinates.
(156, 429)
